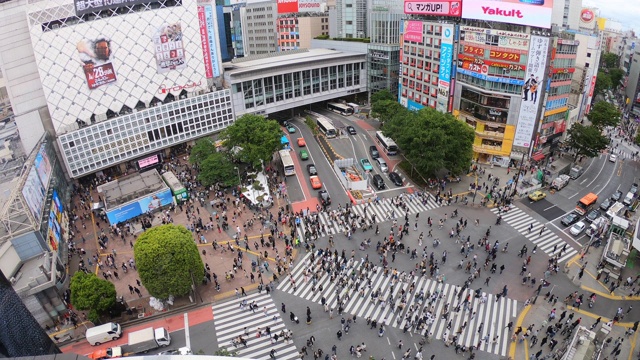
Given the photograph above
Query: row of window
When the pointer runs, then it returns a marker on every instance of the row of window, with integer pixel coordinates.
(419, 98)
(490, 85)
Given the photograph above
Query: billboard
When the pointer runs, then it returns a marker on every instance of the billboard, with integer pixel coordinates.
(34, 193)
(169, 48)
(444, 72)
(96, 56)
(204, 39)
(522, 12)
(588, 19)
(483, 36)
(536, 67)
(433, 7)
(140, 206)
(287, 6)
(413, 31)
(43, 166)
(295, 6)
(211, 39)
(89, 6)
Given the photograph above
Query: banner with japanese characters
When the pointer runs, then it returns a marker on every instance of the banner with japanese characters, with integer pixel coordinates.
(169, 48)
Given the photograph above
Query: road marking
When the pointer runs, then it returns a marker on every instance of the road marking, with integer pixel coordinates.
(549, 207)
(599, 172)
(570, 237)
(572, 196)
(608, 181)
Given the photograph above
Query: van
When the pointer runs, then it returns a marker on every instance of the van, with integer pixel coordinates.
(628, 199)
(378, 182)
(373, 150)
(102, 333)
(382, 165)
(575, 172)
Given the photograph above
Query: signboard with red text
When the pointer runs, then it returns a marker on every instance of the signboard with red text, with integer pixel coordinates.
(433, 7)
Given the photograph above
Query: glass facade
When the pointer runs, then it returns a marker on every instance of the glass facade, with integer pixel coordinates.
(384, 67)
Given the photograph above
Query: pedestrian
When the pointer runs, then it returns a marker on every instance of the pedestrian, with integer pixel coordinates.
(137, 291)
(131, 289)
(339, 334)
(244, 293)
(334, 350)
(272, 353)
(283, 308)
(486, 282)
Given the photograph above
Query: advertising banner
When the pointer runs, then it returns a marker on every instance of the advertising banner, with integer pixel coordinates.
(43, 166)
(54, 232)
(309, 6)
(95, 56)
(592, 86)
(34, 193)
(169, 48)
(139, 207)
(481, 71)
(204, 40)
(504, 55)
(509, 39)
(146, 162)
(211, 37)
(473, 60)
(435, 7)
(413, 30)
(522, 12)
(89, 6)
(287, 6)
(529, 107)
(444, 72)
(473, 50)
(587, 19)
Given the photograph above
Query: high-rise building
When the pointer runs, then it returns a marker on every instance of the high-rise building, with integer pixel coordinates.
(351, 19)
(385, 21)
(259, 34)
(296, 32)
(566, 13)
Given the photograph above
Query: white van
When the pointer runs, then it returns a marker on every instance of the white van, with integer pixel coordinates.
(628, 199)
(382, 165)
(102, 333)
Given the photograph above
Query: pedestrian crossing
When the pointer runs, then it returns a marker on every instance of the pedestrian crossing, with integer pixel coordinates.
(230, 322)
(491, 311)
(547, 242)
(374, 212)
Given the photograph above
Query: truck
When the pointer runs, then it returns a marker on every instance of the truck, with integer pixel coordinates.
(140, 341)
(575, 172)
(560, 182)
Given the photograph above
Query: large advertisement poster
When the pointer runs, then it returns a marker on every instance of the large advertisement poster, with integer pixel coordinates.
(444, 72)
(211, 38)
(204, 39)
(131, 210)
(433, 7)
(287, 6)
(43, 166)
(33, 193)
(529, 107)
(96, 57)
(169, 48)
(522, 12)
(413, 30)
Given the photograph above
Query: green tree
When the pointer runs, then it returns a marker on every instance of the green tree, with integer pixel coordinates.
(224, 352)
(604, 114)
(610, 60)
(89, 292)
(432, 140)
(387, 109)
(201, 150)
(616, 76)
(217, 167)
(586, 140)
(168, 260)
(603, 82)
(255, 137)
(381, 95)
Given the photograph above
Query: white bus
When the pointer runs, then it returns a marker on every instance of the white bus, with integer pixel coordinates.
(325, 126)
(177, 189)
(340, 108)
(287, 163)
(389, 145)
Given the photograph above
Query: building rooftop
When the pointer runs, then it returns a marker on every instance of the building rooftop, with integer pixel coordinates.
(131, 187)
(32, 273)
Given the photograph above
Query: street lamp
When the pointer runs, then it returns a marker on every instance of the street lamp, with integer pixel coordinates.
(238, 171)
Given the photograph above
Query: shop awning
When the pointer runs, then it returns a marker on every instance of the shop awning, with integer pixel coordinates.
(537, 156)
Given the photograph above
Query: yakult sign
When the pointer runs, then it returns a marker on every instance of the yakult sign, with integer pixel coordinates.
(521, 12)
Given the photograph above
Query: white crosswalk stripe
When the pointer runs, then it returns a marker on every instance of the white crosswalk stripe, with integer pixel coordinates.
(495, 313)
(548, 242)
(230, 320)
(383, 210)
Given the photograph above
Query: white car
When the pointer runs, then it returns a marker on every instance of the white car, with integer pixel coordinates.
(613, 157)
(578, 228)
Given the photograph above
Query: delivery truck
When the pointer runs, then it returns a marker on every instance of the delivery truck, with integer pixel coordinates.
(560, 182)
(140, 341)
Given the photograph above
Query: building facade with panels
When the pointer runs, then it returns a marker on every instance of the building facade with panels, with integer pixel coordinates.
(259, 34)
(296, 32)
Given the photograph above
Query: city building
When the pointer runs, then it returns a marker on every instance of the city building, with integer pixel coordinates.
(566, 14)
(297, 31)
(584, 76)
(385, 22)
(258, 24)
(351, 19)
(632, 88)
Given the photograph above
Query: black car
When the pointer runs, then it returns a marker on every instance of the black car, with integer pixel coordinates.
(592, 215)
(606, 204)
(324, 198)
(312, 170)
(373, 151)
(378, 182)
(351, 130)
(616, 195)
(570, 219)
(395, 178)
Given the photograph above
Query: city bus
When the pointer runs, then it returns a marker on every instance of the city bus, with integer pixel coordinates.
(325, 126)
(340, 108)
(389, 145)
(177, 189)
(287, 163)
(586, 203)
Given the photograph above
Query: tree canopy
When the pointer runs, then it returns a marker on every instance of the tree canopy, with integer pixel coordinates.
(89, 292)
(432, 140)
(255, 137)
(616, 75)
(610, 60)
(383, 94)
(214, 166)
(604, 114)
(168, 260)
(586, 140)
(387, 109)
(603, 82)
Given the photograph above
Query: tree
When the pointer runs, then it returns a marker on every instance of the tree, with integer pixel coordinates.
(603, 82)
(386, 109)
(381, 95)
(255, 137)
(224, 352)
(432, 140)
(168, 260)
(586, 140)
(616, 76)
(218, 168)
(610, 60)
(604, 114)
(89, 292)
(201, 150)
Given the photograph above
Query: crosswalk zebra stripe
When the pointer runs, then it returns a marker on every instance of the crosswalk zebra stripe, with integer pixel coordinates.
(230, 321)
(495, 314)
(521, 222)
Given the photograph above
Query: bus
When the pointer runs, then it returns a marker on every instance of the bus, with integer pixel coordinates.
(586, 203)
(287, 163)
(325, 126)
(389, 145)
(340, 108)
(177, 189)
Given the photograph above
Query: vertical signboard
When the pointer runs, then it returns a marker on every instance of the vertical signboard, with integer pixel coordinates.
(34, 193)
(536, 65)
(591, 88)
(204, 40)
(444, 72)
(43, 166)
(211, 34)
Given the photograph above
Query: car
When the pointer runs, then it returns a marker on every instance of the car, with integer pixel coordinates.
(324, 197)
(578, 228)
(304, 155)
(606, 204)
(311, 169)
(373, 151)
(537, 195)
(301, 142)
(634, 188)
(382, 165)
(315, 182)
(616, 196)
(291, 129)
(351, 130)
(570, 219)
(395, 178)
(613, 157)
(366, 165)
(378, 182)
(592, 215)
